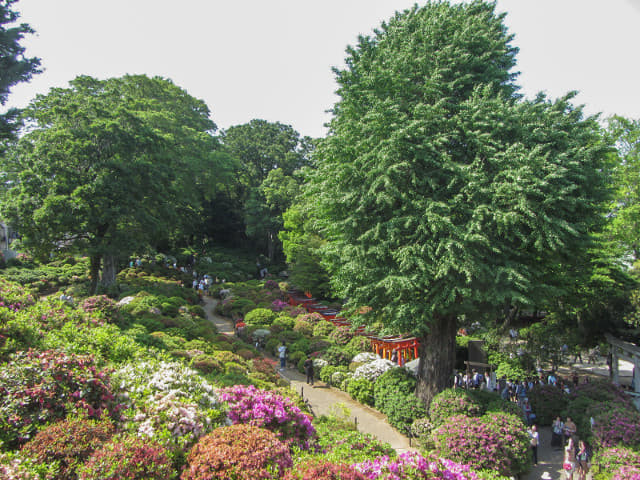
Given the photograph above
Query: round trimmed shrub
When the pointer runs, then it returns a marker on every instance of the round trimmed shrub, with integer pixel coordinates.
(284, 322)
(326, 373)
(358, 344)
(323, 470)
(128, 456)
(452, 402)
(68, 442)
(393, 380)
(303, 327)
(495, 441)
(302, 345)
(240, 452)
(336, 356)
(260, 316)
(617, 426)
(323, 328)
(402, 409)
(341, 336)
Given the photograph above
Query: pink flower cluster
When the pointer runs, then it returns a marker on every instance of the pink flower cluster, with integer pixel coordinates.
(412, 465)
(267, 409)
(278, 305)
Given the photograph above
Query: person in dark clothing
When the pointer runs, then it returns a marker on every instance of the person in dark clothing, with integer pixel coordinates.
(308, 369)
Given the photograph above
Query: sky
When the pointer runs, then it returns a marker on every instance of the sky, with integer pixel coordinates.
(273, 59)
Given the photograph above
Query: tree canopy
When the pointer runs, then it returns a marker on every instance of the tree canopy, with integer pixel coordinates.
(14, 66)
(439, 191)
(107, 166)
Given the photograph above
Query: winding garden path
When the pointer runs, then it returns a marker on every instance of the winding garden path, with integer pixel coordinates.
(324, 400)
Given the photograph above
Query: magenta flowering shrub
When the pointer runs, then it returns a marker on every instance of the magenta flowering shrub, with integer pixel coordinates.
(238, 452)
(267, 409)
(627, 472)
(413, 466)
(312, 318)
(617, 426)
(39, 387)
(452, 402)
(13, 296)
(278, 305)
(101, 306)
(341, 336)
(608, 461)
(271, 285)
(495, 441)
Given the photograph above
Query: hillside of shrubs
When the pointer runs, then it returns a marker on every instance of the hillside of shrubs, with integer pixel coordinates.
(138, 384)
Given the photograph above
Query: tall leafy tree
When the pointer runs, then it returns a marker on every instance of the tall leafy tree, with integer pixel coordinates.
(625, 210)
(106, 167)
(267, 155)
(439, 192)
(14, 66)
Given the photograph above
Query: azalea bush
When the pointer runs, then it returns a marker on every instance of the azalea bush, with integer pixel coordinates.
(39, 387)
(391, 381)
(452, 402)
(259, 316)
(130, 457)
(608, 462)
(341, 335)
(372, 370)
(13, 296)
(361, 389)
(495, 441)
(617, 426)
(402, 409)
(269, 410)
(102, 307)
(413, 466)
(323, 470)
(68, 443)
(238, 452)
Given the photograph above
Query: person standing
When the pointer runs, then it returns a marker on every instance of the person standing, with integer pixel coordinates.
(557, 429)
(308, 369)
(282, 353)
(534, 440)
(582, 460)
(569, 463)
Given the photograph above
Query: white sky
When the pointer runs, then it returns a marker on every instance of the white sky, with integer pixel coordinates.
(272, 59)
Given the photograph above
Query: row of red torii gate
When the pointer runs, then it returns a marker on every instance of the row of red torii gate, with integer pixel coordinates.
(395, 348)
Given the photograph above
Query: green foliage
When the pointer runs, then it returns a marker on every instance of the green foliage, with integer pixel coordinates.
(336, 356)
(402, 409)
(323, 328)
(260, 316)
(393, 380)
(451, 402)
(326, 373)
(361, 389)
(548, 402)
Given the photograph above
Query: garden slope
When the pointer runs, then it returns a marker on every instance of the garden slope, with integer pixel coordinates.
(323, 399)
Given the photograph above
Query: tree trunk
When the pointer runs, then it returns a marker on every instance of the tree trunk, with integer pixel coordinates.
(437, 359)
(109, 268)
(270, 246)
(94, 273)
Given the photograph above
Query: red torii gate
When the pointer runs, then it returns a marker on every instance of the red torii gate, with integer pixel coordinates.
(405, 348)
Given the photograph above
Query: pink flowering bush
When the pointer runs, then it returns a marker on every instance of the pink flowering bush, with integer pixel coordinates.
(238, 452)
(13, 296)
(452, 402)
(608, 463)
(341, 336)
(278, 305)
(267, 409)
(495, 441)
(102, 307)
(617, 426)
(413, 466)
(39, 387)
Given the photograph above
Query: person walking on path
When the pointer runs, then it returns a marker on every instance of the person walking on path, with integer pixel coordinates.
(582, 460)
(534, 440)
(569, 463)
(282, 353)
(308, 369)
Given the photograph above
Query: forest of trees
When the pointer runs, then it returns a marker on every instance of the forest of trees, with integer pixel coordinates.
(438, 193)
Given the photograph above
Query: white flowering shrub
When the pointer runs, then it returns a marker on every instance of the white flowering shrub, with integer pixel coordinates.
(365, 357)
(319, 363)
(372, 370)
(168, 402)
(338, 377)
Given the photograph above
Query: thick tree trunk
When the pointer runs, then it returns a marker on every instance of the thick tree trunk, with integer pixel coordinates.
(109, 267)
(94, 273)
(437, 359)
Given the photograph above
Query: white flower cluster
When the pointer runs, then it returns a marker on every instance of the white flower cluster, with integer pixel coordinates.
(319, 363)
(142, 380)
(178, 417)
(372, 370)
(365, 357)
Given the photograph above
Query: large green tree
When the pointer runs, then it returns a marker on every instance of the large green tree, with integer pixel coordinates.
(439, 192)
(14, 66)
(107, 167)
(267, 155)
